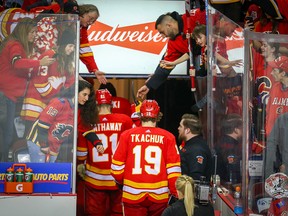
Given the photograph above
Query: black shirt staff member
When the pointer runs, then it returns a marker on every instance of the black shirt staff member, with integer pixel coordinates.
(196, 157)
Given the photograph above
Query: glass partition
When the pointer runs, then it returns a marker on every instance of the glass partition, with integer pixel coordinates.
(225, 81)
(266, 99)
(39, 63)
(247, 120)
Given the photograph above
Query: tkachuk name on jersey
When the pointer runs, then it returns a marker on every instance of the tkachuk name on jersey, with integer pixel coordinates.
(147, 138)
(109, 126)
(280, 101)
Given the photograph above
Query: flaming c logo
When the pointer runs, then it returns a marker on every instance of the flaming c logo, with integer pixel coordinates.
(141, 37)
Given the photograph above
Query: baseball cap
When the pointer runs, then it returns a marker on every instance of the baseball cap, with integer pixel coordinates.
(71, 7)
(281, 62)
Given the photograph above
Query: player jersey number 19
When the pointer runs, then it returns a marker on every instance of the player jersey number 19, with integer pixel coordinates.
(152, 155)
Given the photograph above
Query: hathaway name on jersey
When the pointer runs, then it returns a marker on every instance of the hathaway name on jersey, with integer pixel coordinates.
(109, 126)
(150, 138)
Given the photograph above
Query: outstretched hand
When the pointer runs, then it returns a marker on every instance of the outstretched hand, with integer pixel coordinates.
(229, 64)
(164, 63)
(100, 76)
(142, 92)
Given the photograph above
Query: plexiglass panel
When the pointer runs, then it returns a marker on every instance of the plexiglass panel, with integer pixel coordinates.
(247, 113)
(39, 60)
(225, 88)
(266, 82)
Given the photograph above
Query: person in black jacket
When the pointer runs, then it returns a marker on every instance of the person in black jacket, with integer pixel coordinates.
(174, 27)
(229, 150)
(196, 157)
(187, 205)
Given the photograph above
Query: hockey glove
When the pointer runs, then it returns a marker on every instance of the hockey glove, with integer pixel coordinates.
(81, 170)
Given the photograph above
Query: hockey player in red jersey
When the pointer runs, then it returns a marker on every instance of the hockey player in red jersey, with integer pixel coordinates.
(120, 104)
(147, 164)
(102, 196)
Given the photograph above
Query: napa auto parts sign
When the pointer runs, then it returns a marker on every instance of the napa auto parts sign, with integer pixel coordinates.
(124, 40)
(47, 177)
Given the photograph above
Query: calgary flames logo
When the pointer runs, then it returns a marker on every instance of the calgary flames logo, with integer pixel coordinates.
(263, 85)
(9, 19)
(62, 131)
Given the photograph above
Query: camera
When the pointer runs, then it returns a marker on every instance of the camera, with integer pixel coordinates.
(202, 190)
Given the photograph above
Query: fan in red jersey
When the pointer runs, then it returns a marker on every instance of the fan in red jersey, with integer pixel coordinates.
(88, 14)
(276, 119)
(16, 68)
(53, 128)
(99, 184)
(278, 99)
(50, 80)
(147, 164)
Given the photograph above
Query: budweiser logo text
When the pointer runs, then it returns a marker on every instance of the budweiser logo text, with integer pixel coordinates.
(142, 37)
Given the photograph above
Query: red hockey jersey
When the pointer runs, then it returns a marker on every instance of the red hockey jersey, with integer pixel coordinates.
(147, 163)
(43, 87)
(98, 166)
(14, 77)
(277, 105)
(262, 75)
(121, 105)
(57, 119)
(86, 54)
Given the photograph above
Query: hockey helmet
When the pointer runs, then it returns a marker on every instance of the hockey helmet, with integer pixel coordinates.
(150, 109)
(103, 96)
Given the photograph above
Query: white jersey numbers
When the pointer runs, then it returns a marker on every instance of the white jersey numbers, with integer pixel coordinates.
(152, 156)
(112, 140)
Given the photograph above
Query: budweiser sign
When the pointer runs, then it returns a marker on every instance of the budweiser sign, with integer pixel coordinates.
(141, 37)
